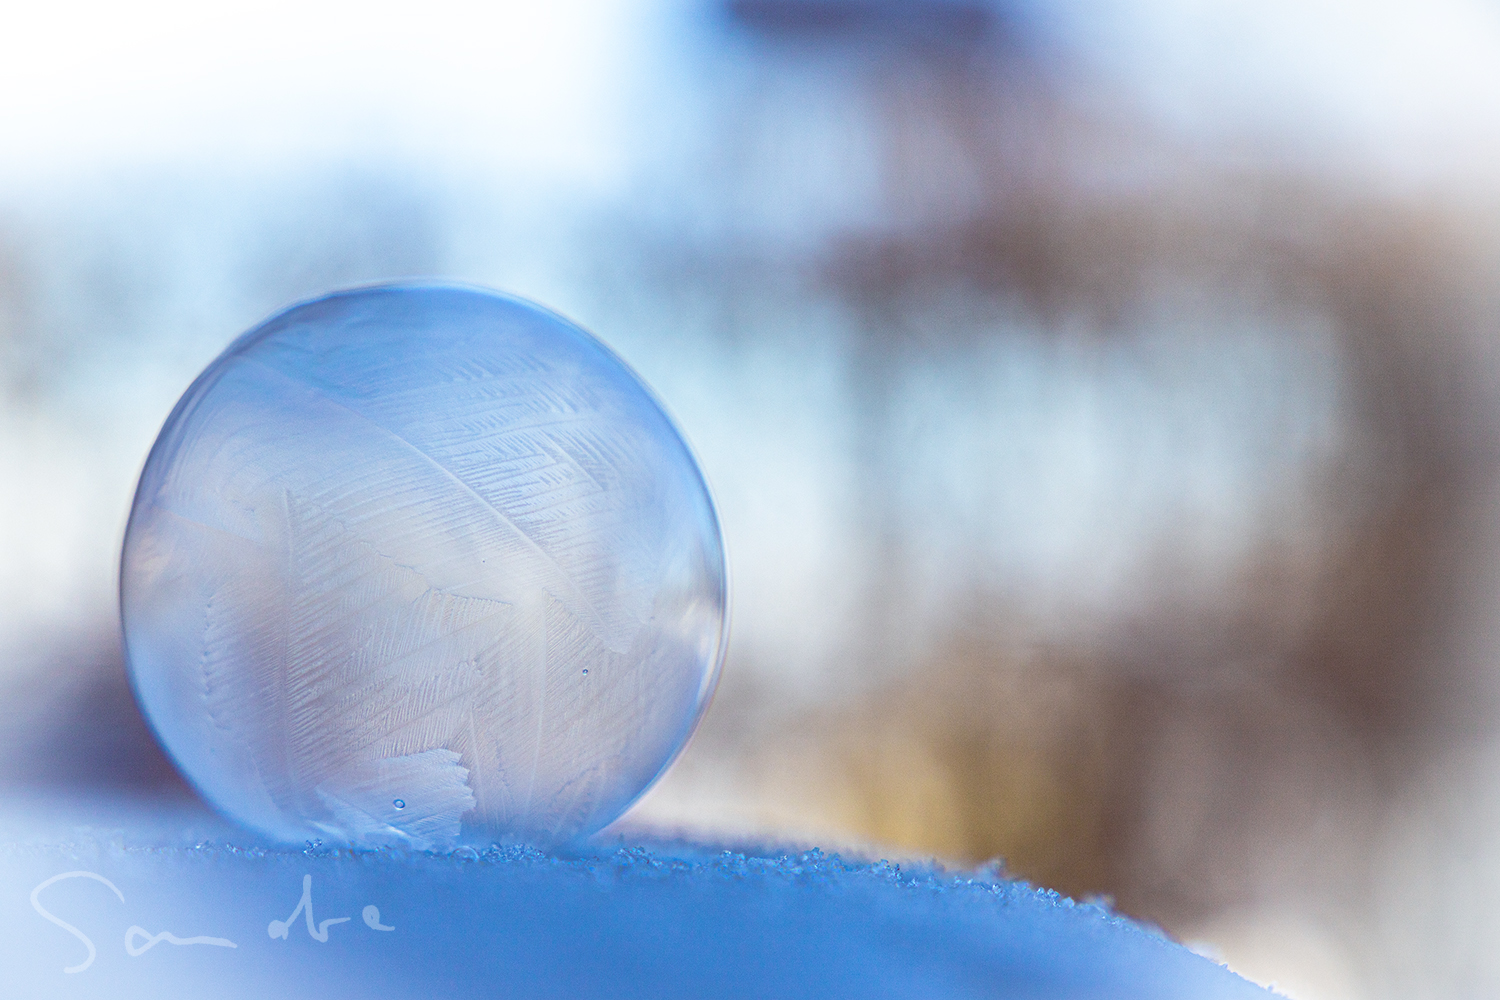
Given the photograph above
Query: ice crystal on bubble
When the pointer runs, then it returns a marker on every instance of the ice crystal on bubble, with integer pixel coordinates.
(377, 547)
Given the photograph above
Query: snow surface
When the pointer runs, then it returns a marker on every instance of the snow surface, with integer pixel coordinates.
(611, 920)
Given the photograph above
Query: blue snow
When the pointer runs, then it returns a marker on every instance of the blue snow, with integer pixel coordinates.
(614, 920)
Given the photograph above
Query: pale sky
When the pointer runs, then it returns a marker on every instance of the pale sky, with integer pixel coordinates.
(527, 87)
(548, 92)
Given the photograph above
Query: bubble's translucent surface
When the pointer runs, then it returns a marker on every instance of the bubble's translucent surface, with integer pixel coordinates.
(412, 562)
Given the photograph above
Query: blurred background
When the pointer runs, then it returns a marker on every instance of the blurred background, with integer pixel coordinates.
(1102, 399)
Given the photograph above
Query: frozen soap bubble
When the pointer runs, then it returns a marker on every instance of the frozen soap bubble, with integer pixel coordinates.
(412, 564)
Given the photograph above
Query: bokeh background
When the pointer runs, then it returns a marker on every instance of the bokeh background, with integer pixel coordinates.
(1102, 398)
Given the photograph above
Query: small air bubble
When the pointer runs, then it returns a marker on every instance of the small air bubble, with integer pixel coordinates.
(399, 803)
(585, 671)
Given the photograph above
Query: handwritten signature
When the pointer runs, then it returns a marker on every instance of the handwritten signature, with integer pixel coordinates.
(138, 940)
(132, 948)
(318, 931)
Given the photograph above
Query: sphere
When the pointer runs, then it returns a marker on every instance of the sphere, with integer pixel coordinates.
(416, 564)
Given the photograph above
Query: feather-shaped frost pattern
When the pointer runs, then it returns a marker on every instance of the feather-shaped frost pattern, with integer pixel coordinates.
(415, 501)
(417, 800)
(379, 663)
(558, 458)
